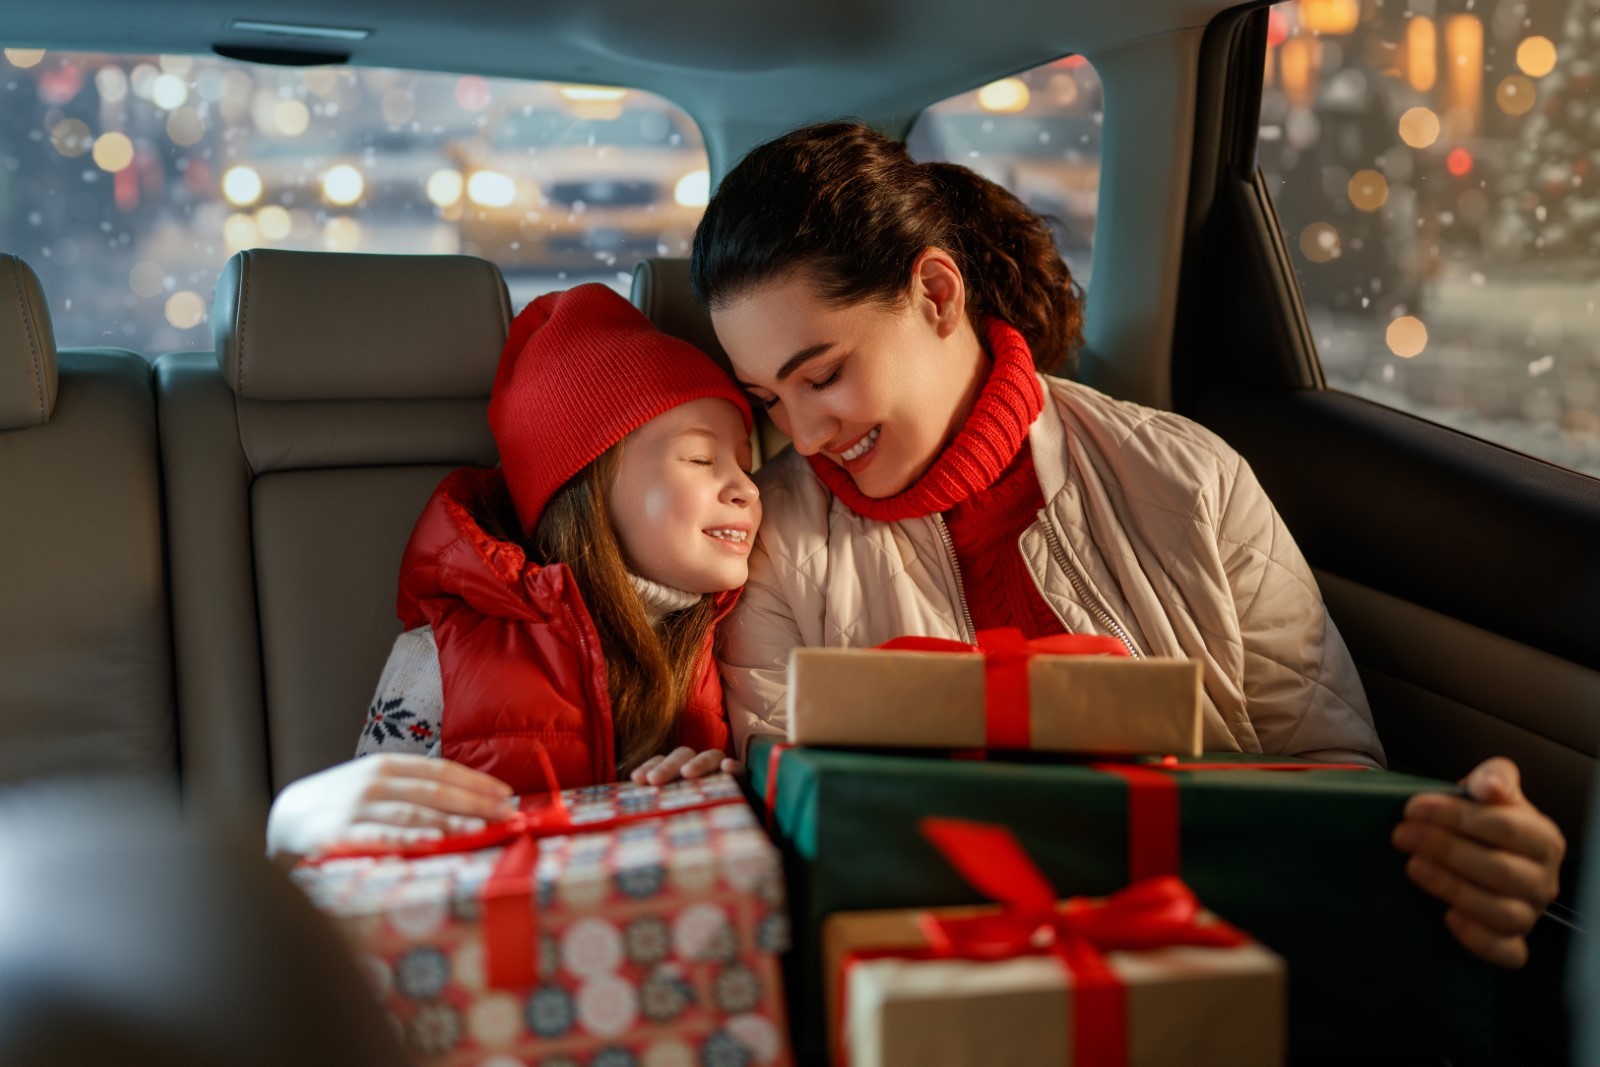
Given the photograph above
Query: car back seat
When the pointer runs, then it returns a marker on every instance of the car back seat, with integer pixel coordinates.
(85, 647)
(661, 290)
(298, 457)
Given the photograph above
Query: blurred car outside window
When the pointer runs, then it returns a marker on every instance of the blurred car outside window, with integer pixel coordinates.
(128, 181)
(1436, 172)
(1038, 134)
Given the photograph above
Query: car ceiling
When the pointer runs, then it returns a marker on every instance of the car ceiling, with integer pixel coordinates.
(743, 69)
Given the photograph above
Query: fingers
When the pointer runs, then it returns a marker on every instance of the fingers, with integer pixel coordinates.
(441, 770)
(1499, 949)
(1497, 870)
(707, 762)
(641, 773)
(1516, 826)
(1495, 781)
(441, 796)
(732, 766)
(1500, 915)
(400, 814)
(670, 767)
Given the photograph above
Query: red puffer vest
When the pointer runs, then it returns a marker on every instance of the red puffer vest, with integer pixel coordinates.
(518, 653)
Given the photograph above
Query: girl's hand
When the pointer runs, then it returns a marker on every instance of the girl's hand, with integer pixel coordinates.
(1494, 859)
(684, 762)
(390, 800)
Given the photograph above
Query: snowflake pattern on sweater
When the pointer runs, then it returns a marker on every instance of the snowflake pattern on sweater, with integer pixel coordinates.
(405, 712)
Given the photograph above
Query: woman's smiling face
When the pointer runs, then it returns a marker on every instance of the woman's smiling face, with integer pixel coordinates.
(879, 390)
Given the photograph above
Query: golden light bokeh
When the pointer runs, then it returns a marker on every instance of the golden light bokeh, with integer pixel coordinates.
(113, 152)
(291, 117)
(1004, 96)
(1419, 127)
(1422, 46)
(445, 187)
(343, 185)
(1406, 336)
(24, 57)
(146, 279)
(341, 235)
(71, 137)
(239, 231)
(186, 310)
(1319, 242)
(185, 126)
(273, 222)
(1516, 95)
(1330, 17)
(241, 185)
(1536, 56)
(1368, 190)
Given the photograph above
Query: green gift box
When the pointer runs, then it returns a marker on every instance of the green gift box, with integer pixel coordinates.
(1301, 859)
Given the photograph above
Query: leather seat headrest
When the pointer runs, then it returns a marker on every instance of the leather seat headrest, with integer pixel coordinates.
(661, 290)
(27, 348)
(337, 326)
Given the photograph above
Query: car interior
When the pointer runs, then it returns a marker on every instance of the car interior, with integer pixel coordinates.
(199, 548)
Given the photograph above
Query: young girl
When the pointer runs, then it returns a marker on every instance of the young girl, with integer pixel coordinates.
(567, 599)
(895, 318)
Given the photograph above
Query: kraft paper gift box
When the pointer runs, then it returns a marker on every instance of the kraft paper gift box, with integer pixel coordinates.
(1060, 694)
(1302, 860)
(649, 930)
(1152, 980)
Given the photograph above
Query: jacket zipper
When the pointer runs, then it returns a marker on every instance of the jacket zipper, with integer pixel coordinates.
(1081, 587)
(955, 568)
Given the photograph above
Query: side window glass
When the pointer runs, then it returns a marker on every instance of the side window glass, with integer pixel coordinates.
(128, 181)
(1038, 134)
(1436, 171)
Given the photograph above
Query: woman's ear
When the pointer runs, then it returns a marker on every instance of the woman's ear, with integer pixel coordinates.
(938, 292)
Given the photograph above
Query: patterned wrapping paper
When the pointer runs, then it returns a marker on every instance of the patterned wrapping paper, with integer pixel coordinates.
(657, 940)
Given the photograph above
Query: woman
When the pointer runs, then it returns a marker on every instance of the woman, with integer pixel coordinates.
(894, 319)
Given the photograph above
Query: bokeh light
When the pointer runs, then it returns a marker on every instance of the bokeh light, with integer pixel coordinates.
(1419, 127)
(1406, 336)
(186, 309)
(113, 152)
(1536, 56)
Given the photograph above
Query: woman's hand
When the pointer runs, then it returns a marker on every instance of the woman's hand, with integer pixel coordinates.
(684, 763)
(392, 800)
(1494, 859)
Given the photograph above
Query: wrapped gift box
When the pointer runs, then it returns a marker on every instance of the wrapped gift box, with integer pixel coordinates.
(653, 941)
(1015, 695)
(1302, 860)
(893, 1005)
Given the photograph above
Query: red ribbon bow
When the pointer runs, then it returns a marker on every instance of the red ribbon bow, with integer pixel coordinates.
(1007, 704)
(1158, 913)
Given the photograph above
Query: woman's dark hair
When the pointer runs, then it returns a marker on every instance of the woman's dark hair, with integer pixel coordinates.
(650, 670)
(853, 209)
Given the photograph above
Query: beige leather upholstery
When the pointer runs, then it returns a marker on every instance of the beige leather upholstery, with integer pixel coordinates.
(661, 290)
(27, 348)
(297, 461)
(85, 660)
(405, 327)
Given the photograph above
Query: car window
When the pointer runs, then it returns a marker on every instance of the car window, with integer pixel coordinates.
(128, 181)
(1036, 133)
(1436, 173)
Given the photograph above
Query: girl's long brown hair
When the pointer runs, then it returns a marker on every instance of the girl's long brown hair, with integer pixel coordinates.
(650, 672)
(852, 208)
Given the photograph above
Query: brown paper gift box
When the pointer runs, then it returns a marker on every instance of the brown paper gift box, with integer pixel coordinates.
(1104, 705)
(1186, 1005)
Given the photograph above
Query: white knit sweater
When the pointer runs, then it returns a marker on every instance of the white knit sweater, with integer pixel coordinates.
(406, 711)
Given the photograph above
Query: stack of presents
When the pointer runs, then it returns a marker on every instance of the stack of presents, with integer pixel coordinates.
(960, 856)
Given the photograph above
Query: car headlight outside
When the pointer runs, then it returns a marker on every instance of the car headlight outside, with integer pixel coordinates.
(693, 189)
(490, 188)
(343, 185)
(444, 187)
(241, 185)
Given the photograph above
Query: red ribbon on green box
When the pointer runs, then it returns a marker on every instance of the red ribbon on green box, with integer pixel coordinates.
(1156, 913)
(1007, 703)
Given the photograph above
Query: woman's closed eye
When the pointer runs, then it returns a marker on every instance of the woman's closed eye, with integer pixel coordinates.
(818, 387)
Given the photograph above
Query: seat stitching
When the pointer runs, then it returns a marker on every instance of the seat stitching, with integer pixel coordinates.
(33, 342)
(242, 310)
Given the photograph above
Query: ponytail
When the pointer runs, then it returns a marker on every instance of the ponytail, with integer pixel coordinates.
(850, 206)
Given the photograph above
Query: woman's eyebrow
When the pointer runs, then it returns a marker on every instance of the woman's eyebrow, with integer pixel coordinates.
(793, 363)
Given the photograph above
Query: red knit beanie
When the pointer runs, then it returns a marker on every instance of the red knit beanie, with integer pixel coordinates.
(580, 371)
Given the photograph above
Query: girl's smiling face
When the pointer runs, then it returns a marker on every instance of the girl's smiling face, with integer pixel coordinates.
(683, 506)
(879, 390)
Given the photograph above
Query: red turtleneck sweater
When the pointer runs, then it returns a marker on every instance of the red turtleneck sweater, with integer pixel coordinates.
(985, 485)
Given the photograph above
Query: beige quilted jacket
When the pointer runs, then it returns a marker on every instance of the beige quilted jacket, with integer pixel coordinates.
(1154, 530)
